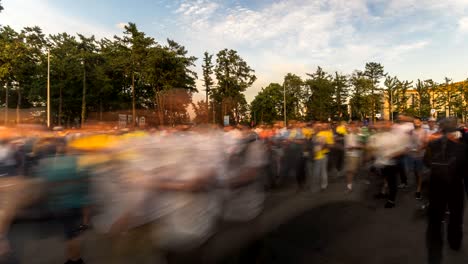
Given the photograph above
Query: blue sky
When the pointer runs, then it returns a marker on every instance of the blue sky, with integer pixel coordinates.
(411, 38)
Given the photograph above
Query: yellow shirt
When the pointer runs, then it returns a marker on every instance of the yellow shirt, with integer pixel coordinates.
(341, 130)
(325, 136)
(307, 132)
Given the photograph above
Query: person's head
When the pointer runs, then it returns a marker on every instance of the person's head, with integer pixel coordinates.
(352, 127)
(448, 125)
(417, 123)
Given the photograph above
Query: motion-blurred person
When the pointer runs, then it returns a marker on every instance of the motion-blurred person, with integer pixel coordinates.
(66, 189)
(353, 148)
(241, 181)
(339, 148)
(387, 155)
(298, 145)
(432, 126)
(323, 139)
(418, 145)
(446, 157)
(403, 128)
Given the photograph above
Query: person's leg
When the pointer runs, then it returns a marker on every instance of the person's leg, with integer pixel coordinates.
(390, 174)
(301, 172)
(352, 165)
(418, 170)
(315, 181)
(401, 165)
(309, 173)
(436, 213)
(341, 161)
(456, 207)
(324, 173)
(72, 220)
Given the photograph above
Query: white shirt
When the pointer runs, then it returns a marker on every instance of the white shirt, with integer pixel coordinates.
(351, 140)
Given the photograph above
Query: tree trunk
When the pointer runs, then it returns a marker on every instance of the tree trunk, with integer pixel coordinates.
(6, 104)
(100, 109)
(18, 105)
(133, 99)
(83, 105)
(60, 107)
(159, 107)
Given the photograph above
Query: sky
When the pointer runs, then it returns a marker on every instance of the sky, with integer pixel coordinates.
(412, 39)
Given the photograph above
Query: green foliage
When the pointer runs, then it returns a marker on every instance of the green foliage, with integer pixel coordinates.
(320, 95)
(360, 102)
(390, 91)
(423, 100)
(234, 76)
(163, 75)
(293, 86)
(341, 92)
(267, 105)
(374, 72)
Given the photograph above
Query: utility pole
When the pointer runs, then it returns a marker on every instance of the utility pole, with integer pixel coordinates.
(83, 105)
(6, 104)
(48, 88)
(284, 103)
(133, 99)
(214, 114)
(391, 106)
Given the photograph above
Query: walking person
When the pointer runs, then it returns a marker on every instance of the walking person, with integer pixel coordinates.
(418, 145)
(446, 157)
(353, 152)
(322, 141)
(387, 155)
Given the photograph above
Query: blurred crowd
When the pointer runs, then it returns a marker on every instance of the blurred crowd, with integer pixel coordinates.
(168, 190)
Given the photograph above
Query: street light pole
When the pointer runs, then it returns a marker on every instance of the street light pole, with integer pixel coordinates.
(48, 88)
(83, 106)
(284, 103)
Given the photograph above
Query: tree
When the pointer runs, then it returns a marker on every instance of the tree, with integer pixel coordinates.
(133, 53)
(66, 72)
(447, 94)
(374, 71)
(201, 111)
(320, 89)
(207, 79)
(461, 100)
(390, 91)
(293, 86)
(433, 89)
(360, 102)
(234, 76)
(402, 97)
(341, 86)
(169, 69)
(423, 101)
(267, 106)
(1, 7)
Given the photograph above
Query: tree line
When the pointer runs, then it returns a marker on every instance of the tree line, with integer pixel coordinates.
(129, 72)
(358, 96)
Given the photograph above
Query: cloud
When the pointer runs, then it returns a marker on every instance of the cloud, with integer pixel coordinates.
(121, 25)
(22, 13)
(197, 8)
(463, 25)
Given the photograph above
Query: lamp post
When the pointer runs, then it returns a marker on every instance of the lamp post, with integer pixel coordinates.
(284, 103)
(48, 88)
(83, 106)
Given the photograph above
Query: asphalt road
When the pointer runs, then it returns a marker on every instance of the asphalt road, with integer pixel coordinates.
(330, 227)
(360, 232)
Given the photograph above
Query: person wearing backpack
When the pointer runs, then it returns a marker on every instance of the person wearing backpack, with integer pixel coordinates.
(446, 157)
